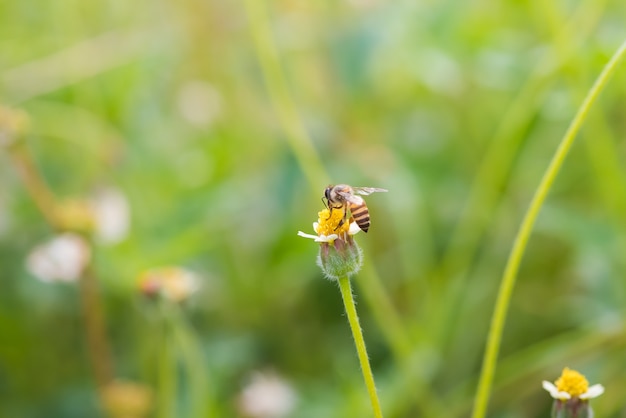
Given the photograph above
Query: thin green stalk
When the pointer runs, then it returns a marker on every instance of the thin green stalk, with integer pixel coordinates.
(168, 381)
(376, 294)
(202, 399)
(510, 273)
(93, 317)
(485, 194)
(35, 184)
(353, 319)
(501, 153)
(269, 57)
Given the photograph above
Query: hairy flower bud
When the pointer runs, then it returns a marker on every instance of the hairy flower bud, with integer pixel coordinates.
(340, 259)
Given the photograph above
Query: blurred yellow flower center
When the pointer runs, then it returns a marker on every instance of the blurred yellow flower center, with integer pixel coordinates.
(328, 222)
(572, 382)
(76, 215)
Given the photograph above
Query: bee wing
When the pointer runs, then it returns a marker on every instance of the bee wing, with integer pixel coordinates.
(367, 190)
(349, 197)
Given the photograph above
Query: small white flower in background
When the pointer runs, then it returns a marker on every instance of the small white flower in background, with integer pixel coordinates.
(112, 215)
(61, 259)
(267, 396)
(174, 283)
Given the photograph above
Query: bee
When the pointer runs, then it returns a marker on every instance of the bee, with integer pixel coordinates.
(345, 197)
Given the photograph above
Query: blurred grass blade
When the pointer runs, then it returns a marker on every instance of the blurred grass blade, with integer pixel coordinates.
(71, 65)
(297, 136)
(507, 138)
(521, 240)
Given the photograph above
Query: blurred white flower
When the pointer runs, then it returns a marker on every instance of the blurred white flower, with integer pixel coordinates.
(111, 213)
(174, 283)
(61, 259)
(267, 396)
(199, 102)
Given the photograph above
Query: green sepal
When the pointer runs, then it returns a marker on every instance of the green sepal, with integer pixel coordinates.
(340, 259)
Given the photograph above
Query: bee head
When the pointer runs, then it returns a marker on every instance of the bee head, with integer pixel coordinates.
(327, 192)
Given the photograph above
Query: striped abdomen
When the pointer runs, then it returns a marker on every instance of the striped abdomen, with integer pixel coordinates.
(361, 215)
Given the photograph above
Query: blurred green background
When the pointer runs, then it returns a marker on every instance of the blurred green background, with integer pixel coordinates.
(223, 121)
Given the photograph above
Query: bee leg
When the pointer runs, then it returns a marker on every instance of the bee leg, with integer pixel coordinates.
(330, 212)
(342, 221)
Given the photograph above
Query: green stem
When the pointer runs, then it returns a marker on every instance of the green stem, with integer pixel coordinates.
(503, 147)
(168, 382)
(510, 273)
(353, 319)
(269, 57)
(385, 314)
(95, 328)
(35, 184)
(202, 400)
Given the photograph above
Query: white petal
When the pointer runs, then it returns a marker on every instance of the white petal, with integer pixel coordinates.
(315, 226)
(354, 229)
(112, 213)
(302, 234)
(327, 238)
(554, 392)
(593, 392)
(60, 259)
(549, 387)
(267, 395)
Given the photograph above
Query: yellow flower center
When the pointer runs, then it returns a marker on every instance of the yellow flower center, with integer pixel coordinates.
(572, 382)
(328, 222)
(76, 215)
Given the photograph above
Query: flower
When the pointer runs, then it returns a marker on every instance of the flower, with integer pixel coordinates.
(571, 393)
(328, 229)
(173, 283)
(267, 395)
(61, 259)
(105, 215)
(339, 254)
(572, 385)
